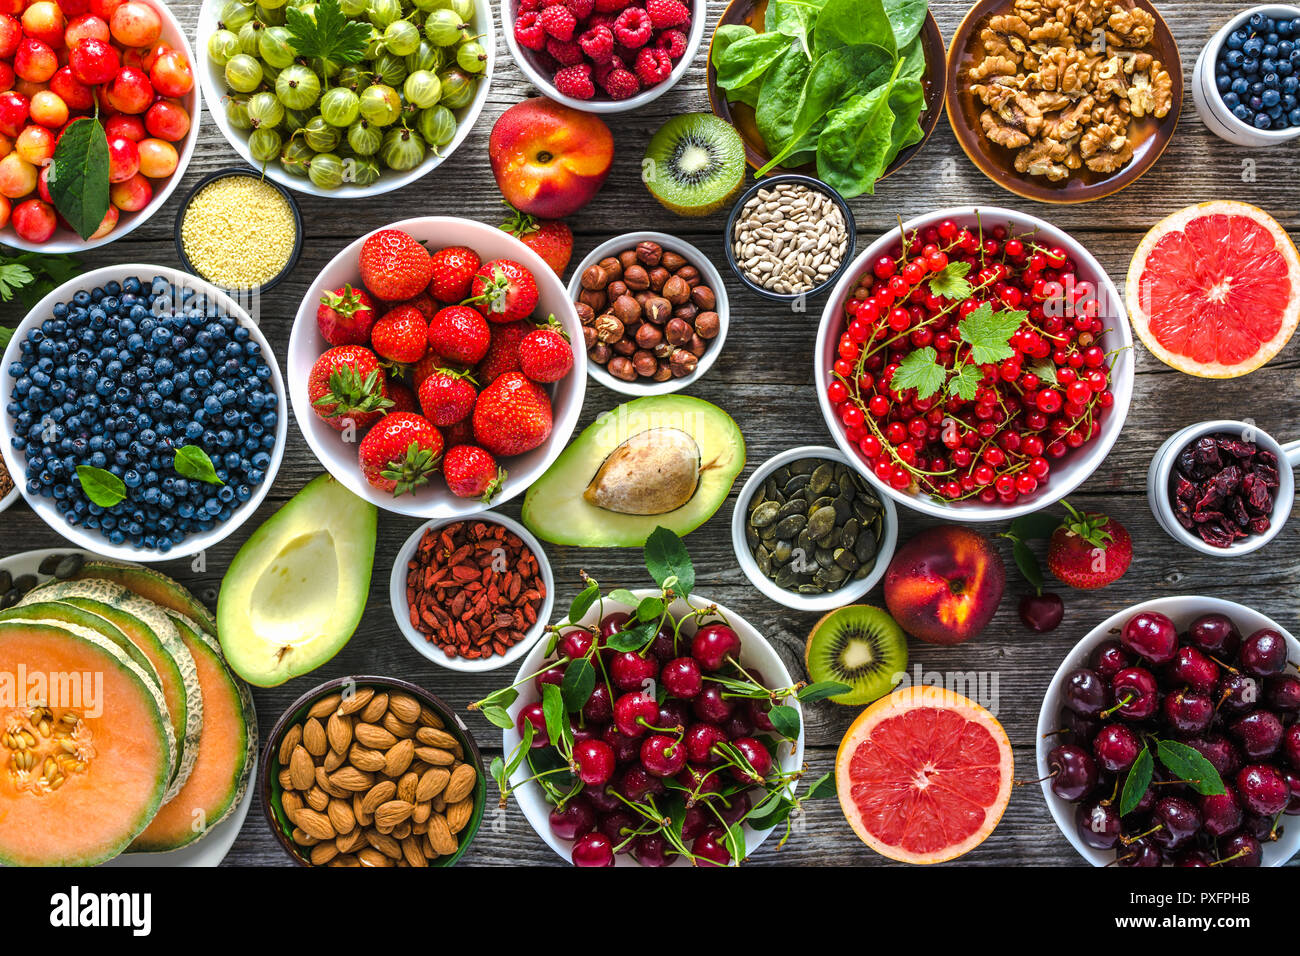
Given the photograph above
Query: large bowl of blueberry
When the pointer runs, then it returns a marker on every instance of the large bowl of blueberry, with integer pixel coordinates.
(144, 413)
(1247, 79)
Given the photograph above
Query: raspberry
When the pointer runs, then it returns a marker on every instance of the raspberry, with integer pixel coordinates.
(673, 42)
(530, 6)
(612, 6)
(529, 32)
(565, 52)
(601, 20)
(653, 66)
(598, 44)
(581, 9)
(667, 13)
(620, 84)
(633, 28)
(575, 81)
(603, 70)
(558, 22)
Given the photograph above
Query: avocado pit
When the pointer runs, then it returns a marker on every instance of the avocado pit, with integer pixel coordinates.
(653, 472)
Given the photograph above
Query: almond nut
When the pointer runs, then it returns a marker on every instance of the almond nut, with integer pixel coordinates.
(404, 707)
(461, 784)
(429, 719)
(373, 736)
(399, 757)
(385, 844)
(436, 756)
(325, 706)
(432, 782)
(341, 816)
(356, 701)
(373, 712)
(381, 792)
(302, 771)
(292, 738)
(365, 759)
(407, 786)
(313, 737)
(458, 815)
(339, 733)
(317, 798)
(350, 778)
(440, 836)
(314, 823)
(433, 737)
(389, 815)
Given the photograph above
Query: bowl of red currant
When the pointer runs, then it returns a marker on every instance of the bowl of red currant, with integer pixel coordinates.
(975, 364)
(1169, 737)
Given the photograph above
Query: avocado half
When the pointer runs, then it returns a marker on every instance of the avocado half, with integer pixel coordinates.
(662, 460)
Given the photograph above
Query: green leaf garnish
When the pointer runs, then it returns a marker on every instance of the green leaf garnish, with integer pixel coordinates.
(1190, 766)
(78, 178)
(950, 282)
(583, 601)
(102, 487)
(579, 680)
(1139, 779)
(329, 35)
(786, 720)
(821, 690)
(666, 557)
(919, 370)
(988, 333)
(193, 462)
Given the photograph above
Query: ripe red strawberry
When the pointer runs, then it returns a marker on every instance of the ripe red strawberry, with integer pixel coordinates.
(459, 333)
(400, 453)
(552, 239)
(453, 271)
(401, 335)
(425, 367)
(545, 354)
(472, 472)
(401, 396)
(394, 266)
(346, 387)
(503, 353)
(447, 397)
(1089, 550)
(665, 14)
(504, 291)
(424, 304)
(512, 415)
(345, 316)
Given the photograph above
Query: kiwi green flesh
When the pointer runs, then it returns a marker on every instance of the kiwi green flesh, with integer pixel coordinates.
(697, 163)
(861, 646)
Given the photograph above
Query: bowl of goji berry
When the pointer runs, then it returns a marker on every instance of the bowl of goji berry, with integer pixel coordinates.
(472, 594)
(976, 364)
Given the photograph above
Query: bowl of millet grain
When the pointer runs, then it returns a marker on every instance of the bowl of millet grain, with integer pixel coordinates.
(239, 230)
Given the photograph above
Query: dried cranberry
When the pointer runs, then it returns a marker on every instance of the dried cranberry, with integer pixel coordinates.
(1223, 498)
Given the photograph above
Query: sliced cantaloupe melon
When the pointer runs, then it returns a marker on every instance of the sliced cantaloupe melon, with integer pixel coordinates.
(150, 629)
(227, 750)
(56, 613)
(152, 586)
(87, 746)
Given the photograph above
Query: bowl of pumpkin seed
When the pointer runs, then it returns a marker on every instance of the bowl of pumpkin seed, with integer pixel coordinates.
(810, 532)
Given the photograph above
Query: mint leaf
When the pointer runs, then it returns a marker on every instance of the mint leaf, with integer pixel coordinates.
(1188, 764)
(1139, 778)
(988, 333)
(665, 557)
(102, 487)
(966, 382)
(193, 462)
(921, 371)
(950, 282)
(329, 35)
(78, 179)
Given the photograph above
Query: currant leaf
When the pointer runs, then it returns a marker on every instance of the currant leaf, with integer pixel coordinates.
(920, 370)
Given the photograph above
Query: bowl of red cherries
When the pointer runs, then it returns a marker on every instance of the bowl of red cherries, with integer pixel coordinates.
(1169, 737)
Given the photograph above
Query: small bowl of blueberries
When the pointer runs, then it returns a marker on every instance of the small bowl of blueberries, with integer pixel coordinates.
(144, 416)
(1247, 79)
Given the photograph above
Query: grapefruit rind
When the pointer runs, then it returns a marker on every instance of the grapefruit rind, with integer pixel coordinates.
(1177, 222)
(902, 702)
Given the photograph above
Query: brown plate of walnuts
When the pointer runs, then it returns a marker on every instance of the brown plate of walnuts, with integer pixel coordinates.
(1064, 101)
(653, 310)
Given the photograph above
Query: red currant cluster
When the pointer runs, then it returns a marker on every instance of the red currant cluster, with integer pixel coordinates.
(1035, 405)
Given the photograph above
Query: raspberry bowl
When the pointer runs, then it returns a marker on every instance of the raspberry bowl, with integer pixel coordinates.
(1013, 353)
(532, 47)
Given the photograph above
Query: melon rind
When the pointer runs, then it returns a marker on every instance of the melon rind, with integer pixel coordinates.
(153, 586)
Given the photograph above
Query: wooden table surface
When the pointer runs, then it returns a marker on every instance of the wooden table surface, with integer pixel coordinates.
(764, 378)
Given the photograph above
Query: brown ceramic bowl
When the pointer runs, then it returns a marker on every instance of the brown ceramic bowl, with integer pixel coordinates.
(741, 115)
(1149, 136)
(268, 769)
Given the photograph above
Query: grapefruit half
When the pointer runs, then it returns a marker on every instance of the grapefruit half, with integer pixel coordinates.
(924, 775)
(1214, 289)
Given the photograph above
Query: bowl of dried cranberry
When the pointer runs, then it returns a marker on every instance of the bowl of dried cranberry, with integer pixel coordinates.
(980, 374)
(1223, 488)
(472, 594)
(604, 56)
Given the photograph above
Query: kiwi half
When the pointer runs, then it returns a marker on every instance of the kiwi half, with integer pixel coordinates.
(695, 164)
(861, 646)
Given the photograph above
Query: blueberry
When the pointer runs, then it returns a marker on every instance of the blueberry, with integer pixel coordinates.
(1262, 121)
(1242, 112)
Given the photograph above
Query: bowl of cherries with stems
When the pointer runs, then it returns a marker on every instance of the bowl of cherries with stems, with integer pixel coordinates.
(1170, 737)
(655, 727)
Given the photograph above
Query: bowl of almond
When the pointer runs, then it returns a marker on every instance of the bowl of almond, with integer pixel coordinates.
(372, 771)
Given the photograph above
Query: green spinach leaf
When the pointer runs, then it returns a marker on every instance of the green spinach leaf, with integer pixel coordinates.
(779, 98)
(853, 23)
(795, 19)
(748, 58)
(854, 148)
(906, 17)
(906, 101)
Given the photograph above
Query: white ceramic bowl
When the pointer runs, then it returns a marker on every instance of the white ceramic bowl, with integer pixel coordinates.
(1068, 472)
(16, 462)
(214, 88)
(431, 651)
(1182, 610)
(529, 64)
(851, 591)
(1209, 101)
(7, 501)
(709, 275)
(1160, 494)
(64, 239)
(755, 651)
(434, 500)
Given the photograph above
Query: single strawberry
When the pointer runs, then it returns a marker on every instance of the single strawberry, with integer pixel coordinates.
(394, 266)
(552, 239)
(459, 333)
(346, 387)
(401, 335)
(447, 397)
(400, 453)
(345, 316)
(425, 367)
(472, 472)
(424, 304)
(453, 271)
(503, 291)
(401, 396)
(1089, 550)
(512, 415)
(503, 353)
(545, 354)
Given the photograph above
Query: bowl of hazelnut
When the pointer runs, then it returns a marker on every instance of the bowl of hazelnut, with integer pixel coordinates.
(653, 310)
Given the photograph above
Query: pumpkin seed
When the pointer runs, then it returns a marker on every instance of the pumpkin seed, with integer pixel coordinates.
(764, 514)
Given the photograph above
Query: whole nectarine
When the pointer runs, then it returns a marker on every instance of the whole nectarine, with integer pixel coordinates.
(549, 159)
(944, 585)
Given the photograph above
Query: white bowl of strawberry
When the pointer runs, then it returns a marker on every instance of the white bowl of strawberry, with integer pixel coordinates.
(603, 56)
(108, 73)
(980, 374)
(432, 367)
